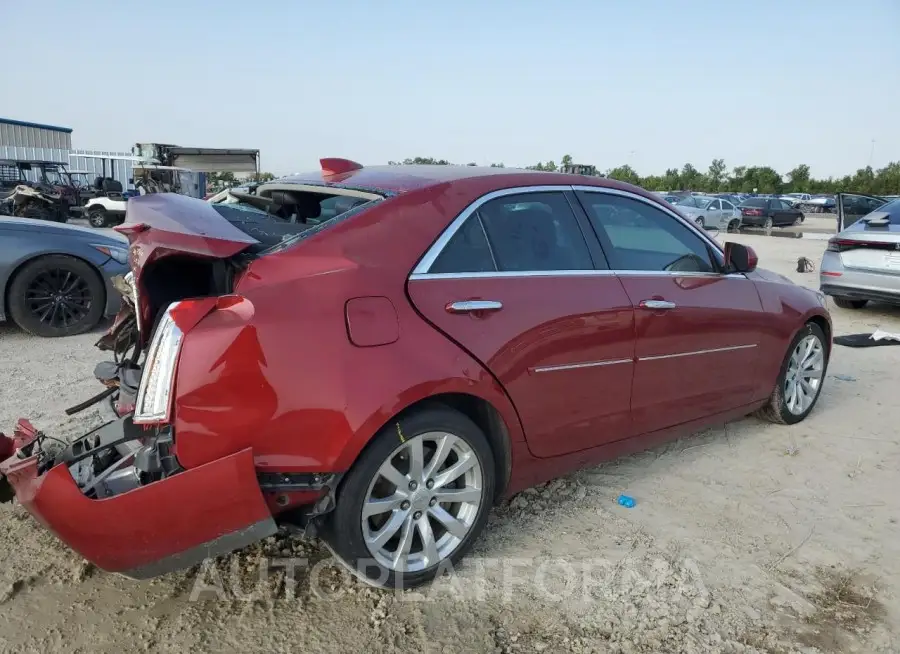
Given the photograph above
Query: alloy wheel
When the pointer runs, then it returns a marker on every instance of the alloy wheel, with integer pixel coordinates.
(423, 502)
(97, 218)
(58, 298)
(803, 377)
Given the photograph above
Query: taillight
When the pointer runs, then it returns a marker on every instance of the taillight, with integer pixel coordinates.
(154, 396)
(845, 244)
(751, 212)
(153, 403)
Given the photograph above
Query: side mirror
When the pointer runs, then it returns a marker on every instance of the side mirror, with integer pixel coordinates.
(740, 258)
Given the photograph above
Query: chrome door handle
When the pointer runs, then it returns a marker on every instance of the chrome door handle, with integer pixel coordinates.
(656, 304)
(468, 306)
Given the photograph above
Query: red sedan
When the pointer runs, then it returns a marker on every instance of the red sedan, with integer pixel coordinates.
(379, 355)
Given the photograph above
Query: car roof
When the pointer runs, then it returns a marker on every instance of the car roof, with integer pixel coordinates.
(405, 178)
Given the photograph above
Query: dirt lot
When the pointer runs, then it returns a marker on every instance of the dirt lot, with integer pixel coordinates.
(751, 538)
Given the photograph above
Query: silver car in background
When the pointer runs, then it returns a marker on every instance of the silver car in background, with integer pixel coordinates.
(710, 212)
(862, 262)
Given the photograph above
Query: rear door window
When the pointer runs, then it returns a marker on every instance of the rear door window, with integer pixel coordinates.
(527, 232)
(467, 252)
(535, 232)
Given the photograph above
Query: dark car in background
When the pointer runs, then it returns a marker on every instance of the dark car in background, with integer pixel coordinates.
(56, 280)
(769, 212)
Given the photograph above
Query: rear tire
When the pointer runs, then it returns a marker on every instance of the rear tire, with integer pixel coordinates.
(353, 537)
(734, 226)
(847, 303)
(783, 409)
(33, 303)
(767, 226)
(701, 223)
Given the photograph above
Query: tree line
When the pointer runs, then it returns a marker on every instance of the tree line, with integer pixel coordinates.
(740, 179)
(221, 180)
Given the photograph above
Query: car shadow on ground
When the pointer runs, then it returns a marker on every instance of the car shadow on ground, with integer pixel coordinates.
(9, 328)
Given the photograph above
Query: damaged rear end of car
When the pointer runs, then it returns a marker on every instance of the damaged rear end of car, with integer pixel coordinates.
(120, 495)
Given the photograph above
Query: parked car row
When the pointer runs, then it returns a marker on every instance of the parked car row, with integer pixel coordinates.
(710, 212)
(729, 212)
(527, 323)
(769, 212)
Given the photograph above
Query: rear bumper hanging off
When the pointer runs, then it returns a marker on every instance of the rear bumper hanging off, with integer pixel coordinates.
(162, 526)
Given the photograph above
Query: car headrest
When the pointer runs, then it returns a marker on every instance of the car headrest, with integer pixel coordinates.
(346, 203)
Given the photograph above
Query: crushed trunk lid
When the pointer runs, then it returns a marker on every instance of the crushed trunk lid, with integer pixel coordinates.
(162, 225)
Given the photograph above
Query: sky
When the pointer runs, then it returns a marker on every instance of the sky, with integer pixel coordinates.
(650, 83)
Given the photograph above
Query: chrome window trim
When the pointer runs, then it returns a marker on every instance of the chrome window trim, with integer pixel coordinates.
(573, 273)
(437, 247)
(420, 272)
(512, 273)
(652, 203)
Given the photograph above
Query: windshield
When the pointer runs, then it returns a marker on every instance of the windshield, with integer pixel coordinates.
(80, 180)
(754, 202)
(694, 201)
(53, 176)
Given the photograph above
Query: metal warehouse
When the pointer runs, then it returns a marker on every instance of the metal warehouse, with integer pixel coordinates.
(24, 140)
(34, 141)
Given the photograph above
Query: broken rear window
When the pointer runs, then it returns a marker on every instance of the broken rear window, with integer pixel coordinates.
(281, 217)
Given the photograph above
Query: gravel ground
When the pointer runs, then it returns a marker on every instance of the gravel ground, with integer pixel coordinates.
(748, 538)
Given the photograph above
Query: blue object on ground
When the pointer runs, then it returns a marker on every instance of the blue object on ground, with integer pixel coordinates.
(627, 502)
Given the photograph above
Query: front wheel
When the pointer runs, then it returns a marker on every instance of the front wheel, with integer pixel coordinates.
(800, 379)
(415, 501)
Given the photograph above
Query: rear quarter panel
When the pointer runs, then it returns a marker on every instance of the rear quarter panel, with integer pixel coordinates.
(284, 378)
(789, 307)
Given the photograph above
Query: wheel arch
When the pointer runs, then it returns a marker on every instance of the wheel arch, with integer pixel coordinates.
(34, 256)
(480, 411)
(825, 325)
